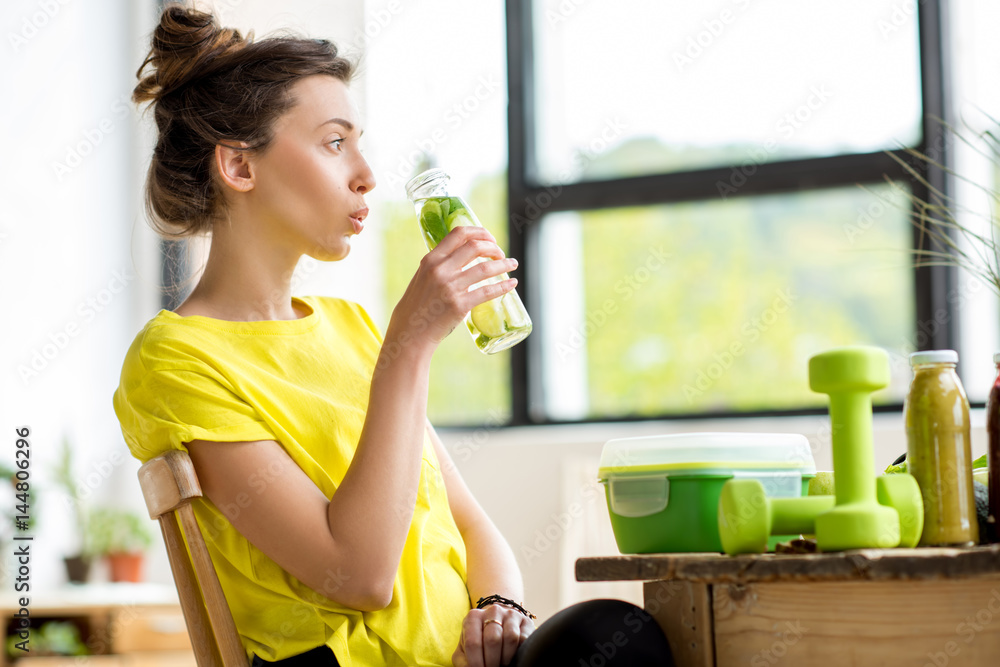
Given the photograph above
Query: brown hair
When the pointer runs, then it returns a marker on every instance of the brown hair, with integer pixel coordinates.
(210, 86)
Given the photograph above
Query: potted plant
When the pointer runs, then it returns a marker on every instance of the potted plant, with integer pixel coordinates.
(52, 638)
(78, 563)
(121, 537)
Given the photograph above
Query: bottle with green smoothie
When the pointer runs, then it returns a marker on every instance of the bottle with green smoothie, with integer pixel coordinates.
(939, 449)
(494, 325)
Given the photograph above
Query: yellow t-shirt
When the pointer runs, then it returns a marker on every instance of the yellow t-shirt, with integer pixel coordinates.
(303, 383)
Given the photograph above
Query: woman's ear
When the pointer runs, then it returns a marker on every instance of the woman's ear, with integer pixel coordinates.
(233, 166)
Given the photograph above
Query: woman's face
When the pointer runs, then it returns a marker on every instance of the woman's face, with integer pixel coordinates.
(311, 181)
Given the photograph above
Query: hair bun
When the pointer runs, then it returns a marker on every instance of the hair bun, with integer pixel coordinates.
(186, 44)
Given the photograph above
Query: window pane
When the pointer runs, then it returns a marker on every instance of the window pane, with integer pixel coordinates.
(425, 106)
(674, 86)
(718, 305)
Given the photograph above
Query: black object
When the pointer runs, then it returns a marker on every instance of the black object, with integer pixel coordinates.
(901, 458)
(986, 529)
(612, 633)
(321, 656)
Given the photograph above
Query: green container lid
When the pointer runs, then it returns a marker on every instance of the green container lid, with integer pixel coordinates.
(705, 454)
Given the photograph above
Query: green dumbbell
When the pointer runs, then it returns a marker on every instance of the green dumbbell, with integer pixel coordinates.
(747, 517)
(865, 512)
(849, 375)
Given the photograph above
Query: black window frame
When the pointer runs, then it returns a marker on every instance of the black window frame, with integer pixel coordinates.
(932, 284)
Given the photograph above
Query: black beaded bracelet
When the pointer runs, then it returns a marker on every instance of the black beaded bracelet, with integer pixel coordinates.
(497, 599)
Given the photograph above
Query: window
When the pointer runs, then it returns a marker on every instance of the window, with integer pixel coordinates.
(684, 185)
(717, 305)
(447, 108)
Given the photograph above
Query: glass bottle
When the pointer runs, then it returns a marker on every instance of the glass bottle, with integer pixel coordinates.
(495, 325)
(993, 451)
(939, 449)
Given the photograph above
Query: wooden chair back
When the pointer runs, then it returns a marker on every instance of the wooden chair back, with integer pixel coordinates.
(168, 484)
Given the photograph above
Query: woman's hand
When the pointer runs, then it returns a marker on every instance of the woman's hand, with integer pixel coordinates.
(438, 296)
(490, 636)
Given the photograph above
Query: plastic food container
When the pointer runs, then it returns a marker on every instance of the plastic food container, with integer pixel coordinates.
(663, 491)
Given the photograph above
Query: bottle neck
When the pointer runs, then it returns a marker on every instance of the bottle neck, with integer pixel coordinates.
(937, 366)
(431, 183)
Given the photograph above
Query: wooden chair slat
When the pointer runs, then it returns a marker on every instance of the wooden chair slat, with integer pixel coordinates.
(169, 483)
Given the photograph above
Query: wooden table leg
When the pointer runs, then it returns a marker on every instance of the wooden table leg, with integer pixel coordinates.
(684, 611)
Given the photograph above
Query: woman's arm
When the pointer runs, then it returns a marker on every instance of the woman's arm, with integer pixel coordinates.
(490, 636)
(492, 567)
(348, 548)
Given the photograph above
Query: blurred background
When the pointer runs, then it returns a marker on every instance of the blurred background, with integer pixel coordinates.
(698, 193)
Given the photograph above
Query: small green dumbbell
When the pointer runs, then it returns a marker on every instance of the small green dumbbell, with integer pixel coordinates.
(747, 517)
(849, 375)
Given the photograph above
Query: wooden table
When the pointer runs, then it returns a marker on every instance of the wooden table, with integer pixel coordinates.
(938, 607)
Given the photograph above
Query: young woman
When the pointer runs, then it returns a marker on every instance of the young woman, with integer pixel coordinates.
(340, 529)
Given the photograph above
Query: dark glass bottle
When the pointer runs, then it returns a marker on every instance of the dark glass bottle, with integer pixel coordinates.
(993, 452)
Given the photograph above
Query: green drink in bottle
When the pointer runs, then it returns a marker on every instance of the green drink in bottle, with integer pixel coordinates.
(494, 325)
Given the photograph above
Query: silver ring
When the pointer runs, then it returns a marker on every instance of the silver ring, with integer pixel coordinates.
(492, 620)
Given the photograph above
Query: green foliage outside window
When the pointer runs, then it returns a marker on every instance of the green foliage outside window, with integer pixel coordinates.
(751, 289)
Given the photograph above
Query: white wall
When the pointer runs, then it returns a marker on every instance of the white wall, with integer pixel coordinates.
(75, 261)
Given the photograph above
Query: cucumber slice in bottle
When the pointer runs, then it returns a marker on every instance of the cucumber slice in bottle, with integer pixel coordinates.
(459, 218)
(431, 207)
(489, 318)
(432, 222)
